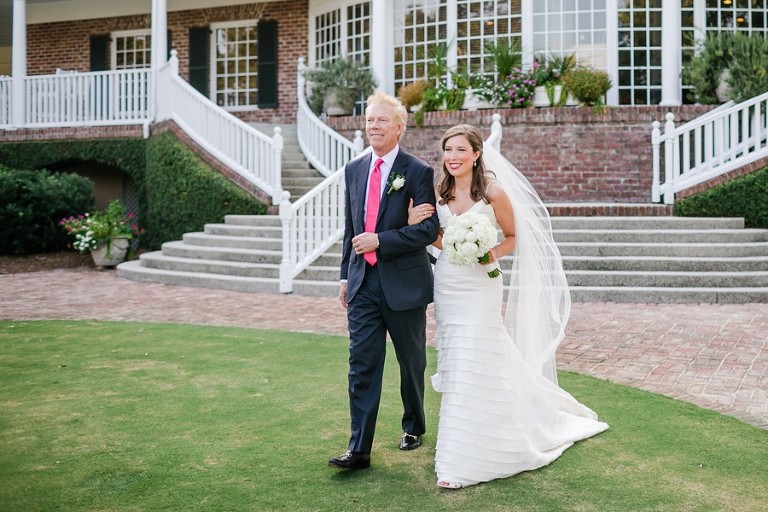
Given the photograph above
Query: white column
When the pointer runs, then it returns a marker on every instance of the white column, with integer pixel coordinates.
(526, 41)
(19, 62)
(159, 33)
(670, 57)
(382, 53)
(612, 50)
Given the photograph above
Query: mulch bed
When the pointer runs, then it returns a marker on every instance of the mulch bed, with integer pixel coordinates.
(10, 264)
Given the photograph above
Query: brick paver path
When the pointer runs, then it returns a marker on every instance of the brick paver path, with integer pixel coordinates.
(713, 355)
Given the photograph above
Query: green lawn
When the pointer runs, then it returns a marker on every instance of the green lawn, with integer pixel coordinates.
(106, 416)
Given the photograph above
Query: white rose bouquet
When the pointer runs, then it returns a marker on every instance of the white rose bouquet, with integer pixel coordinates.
(467, 239)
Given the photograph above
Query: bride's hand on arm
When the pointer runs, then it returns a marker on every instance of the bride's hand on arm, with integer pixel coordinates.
(423, 211)
(420, 212)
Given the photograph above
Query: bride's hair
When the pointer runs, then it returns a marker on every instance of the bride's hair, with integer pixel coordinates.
(479, 186)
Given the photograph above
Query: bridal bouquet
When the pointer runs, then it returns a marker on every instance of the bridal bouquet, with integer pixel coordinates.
(467, 239)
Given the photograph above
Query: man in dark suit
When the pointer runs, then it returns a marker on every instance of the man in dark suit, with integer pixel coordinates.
(386, 277)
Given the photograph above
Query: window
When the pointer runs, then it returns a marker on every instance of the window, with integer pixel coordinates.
(565, 27)
(235, 64)
(327, 36)
(743, 15)
(639, 43)
(480, 23)
(420, 28)
(131, 50)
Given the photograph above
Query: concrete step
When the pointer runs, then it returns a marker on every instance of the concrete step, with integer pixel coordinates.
(618, 259)
(657, 236)
(159, 261)
(135, 271)
(666, 264)
(668, 279)
(233, 242)
(661, 295)
(183, 250)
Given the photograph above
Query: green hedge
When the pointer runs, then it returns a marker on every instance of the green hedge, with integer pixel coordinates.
(31, 205)
(184, 193)
(176, 191)
(746, 197)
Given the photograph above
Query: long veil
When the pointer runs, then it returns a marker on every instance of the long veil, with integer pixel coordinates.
(539, 301)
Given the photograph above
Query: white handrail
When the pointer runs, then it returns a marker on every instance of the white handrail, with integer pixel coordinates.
(88, 99)
(711, 145)
(244, 149)
(315, 222)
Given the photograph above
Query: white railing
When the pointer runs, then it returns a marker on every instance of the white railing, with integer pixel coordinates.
(244, 149)
(5, 101)
(95, 98)
(315, 222)
(709, 146)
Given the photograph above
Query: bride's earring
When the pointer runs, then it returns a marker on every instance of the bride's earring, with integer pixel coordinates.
(474, 163)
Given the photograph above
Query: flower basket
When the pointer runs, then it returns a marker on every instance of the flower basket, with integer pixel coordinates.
(110, 253)
(105, 234)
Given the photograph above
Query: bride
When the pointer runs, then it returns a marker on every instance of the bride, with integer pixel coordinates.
(501, 410)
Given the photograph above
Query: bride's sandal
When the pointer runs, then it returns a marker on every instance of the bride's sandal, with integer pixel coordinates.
(448, 485)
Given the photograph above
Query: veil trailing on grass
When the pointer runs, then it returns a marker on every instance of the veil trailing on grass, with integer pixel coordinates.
(539, 301)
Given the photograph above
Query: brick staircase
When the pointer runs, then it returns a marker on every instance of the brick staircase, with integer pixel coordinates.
(660, 259)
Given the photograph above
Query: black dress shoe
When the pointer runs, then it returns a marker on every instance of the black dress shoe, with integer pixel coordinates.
(409, 441)
(350, 460)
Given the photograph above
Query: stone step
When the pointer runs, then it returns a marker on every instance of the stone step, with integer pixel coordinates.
(658, 236)
(667, 264)
(183, 250)
(160, 261)
(668, 279)
(232, 242)
(690, 250)
(660, 295)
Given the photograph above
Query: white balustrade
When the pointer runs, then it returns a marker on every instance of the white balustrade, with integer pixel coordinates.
(729, 137)
(88, 99)
(252, 154)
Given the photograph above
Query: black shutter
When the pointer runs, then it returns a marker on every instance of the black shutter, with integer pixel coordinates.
(100, 53)
(267, 30)
(200, 59)
(169, 43)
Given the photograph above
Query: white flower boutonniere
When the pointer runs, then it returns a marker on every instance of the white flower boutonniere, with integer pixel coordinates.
(396, 182)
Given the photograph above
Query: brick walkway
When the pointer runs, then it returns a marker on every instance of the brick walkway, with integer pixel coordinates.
(713, 355)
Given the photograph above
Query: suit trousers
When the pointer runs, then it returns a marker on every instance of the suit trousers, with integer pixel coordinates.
(370, 319)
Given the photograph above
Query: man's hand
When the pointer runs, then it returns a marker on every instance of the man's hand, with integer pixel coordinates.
(343, 295)
(365, 242)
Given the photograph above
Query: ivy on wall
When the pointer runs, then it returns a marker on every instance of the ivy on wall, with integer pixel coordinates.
(177, 191)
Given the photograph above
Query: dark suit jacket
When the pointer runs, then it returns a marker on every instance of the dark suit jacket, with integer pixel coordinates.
(402, 258)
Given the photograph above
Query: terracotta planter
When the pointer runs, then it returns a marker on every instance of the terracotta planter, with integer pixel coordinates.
(111, 253)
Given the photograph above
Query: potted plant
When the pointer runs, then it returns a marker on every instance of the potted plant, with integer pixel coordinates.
(588, 86)
(548, 72)
(728, 66)
(412, 95)
(105, 234)
(507, 63)
(337, 85)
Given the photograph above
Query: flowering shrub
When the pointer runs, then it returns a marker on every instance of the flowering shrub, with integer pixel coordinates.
(92, 229)
(521, 87)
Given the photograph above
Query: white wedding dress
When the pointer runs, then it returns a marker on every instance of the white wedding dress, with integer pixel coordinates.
(498, 416)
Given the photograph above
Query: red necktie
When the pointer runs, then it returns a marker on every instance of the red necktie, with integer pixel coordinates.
(372, 207)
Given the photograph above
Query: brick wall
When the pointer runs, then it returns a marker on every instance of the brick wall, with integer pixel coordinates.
(569, 154)
(65, 45)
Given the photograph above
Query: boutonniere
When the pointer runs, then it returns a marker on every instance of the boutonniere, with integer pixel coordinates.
(396, 182)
